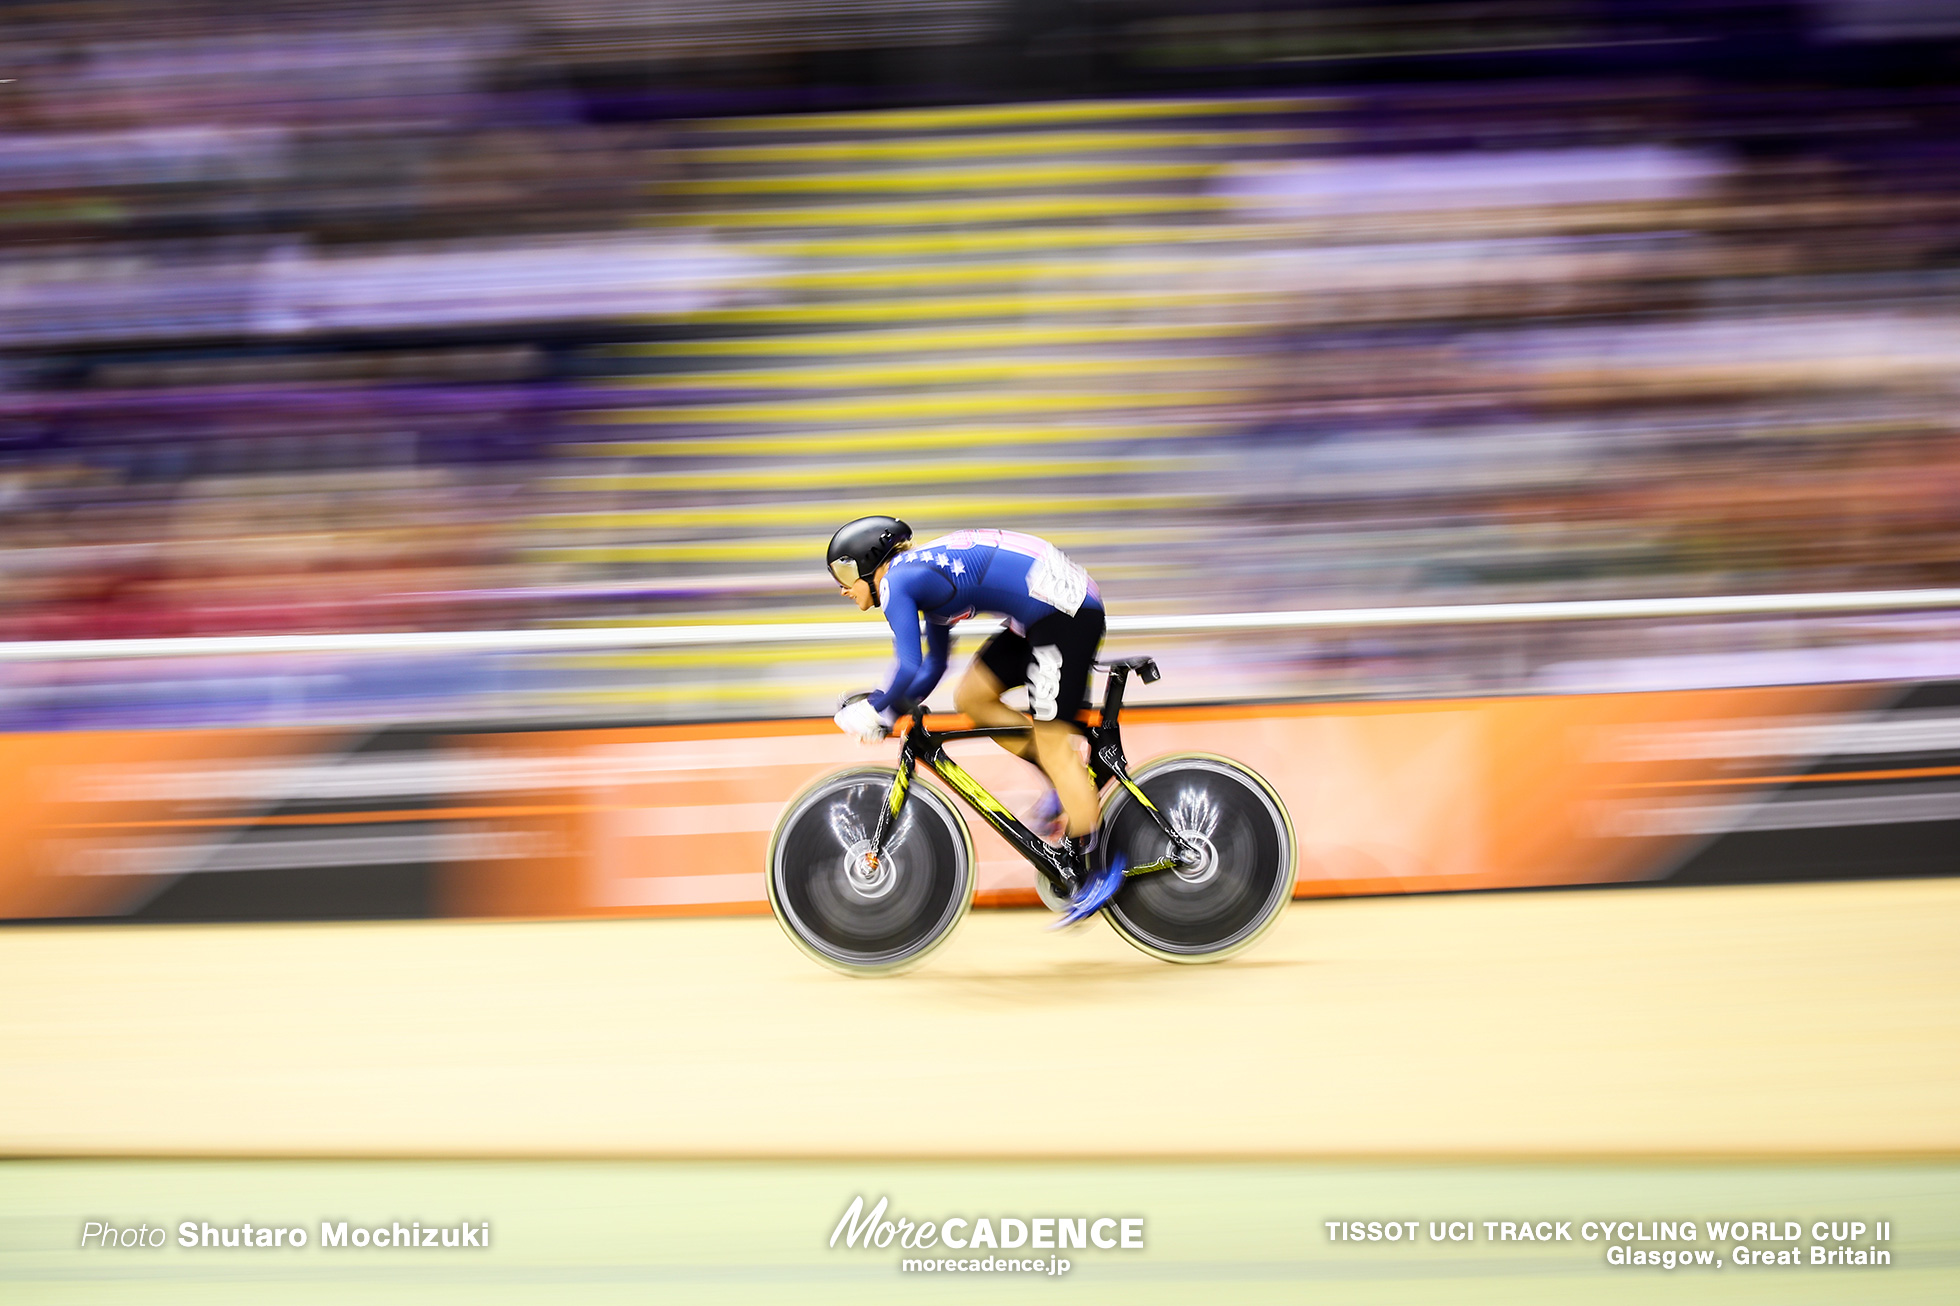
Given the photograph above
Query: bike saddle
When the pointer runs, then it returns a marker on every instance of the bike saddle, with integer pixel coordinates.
(1146, 668)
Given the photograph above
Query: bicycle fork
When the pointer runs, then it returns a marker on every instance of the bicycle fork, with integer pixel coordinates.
(894, 803)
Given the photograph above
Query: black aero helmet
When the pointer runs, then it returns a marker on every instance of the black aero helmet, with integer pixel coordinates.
(859, 546)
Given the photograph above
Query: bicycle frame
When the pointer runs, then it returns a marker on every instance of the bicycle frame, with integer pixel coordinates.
(1106, 763)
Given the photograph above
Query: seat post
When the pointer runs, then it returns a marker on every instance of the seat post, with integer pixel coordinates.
(1119, 675)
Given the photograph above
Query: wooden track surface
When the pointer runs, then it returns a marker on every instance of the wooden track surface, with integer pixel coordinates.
(1810, 1020)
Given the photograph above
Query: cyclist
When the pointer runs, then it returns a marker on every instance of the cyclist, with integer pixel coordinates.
(1055, 622)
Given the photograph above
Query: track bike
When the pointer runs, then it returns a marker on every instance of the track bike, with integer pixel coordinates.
(870, 871)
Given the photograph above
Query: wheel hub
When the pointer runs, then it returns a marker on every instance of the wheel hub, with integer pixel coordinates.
(869, 874)
(1199, 861)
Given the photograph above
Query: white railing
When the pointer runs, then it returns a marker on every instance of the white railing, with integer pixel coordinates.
(872, 631)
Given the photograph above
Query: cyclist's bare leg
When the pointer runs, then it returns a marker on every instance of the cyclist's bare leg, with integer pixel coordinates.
(1054, 743)
(978, 695)
(1051, 746)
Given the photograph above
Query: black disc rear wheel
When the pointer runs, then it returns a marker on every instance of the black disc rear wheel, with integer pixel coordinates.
(858, 914)
(1239, 878)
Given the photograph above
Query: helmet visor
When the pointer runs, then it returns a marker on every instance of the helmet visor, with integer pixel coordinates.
(845, 570)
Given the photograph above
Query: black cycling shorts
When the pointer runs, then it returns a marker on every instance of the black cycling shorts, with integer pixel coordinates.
(1053, 660)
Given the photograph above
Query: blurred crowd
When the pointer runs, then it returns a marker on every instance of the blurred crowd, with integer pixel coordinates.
(428, 315)
(289, 294)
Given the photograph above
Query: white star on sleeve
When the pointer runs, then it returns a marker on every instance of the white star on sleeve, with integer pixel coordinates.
(959, 568)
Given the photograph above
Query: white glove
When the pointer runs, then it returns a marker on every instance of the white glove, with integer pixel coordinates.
(865, 721)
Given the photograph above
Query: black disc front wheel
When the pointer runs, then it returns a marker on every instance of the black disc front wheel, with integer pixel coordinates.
(859, 913)
(1237, 877)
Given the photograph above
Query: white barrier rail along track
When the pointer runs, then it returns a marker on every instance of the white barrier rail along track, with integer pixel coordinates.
(565, 640)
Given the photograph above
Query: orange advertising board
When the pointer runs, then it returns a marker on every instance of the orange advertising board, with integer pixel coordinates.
(1385, 797)
(1388, 797)
(91, 822)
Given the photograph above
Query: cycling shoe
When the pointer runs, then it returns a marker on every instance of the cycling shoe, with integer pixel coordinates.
(1095, 893)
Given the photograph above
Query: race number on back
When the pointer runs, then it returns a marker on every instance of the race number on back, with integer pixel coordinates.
(1056, 581)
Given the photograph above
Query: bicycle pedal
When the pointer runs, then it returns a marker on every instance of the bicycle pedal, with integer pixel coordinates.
(1094, 895)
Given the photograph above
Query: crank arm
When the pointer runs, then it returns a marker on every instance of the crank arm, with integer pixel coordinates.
(1149, 868)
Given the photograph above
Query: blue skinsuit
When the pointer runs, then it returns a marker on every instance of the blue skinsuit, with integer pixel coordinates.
(958, 575)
